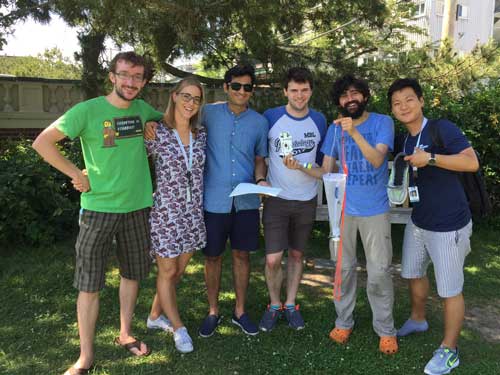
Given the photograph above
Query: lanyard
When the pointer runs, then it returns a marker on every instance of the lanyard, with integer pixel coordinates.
(415, 169)
(188, 162)
(424, 122)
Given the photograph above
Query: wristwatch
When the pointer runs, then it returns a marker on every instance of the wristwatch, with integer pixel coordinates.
(432, 159)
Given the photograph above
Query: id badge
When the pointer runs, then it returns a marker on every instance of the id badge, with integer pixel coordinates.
(413, 194)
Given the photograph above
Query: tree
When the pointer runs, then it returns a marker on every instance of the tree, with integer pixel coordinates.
(14, 11)
(49, 64)
(326, 35)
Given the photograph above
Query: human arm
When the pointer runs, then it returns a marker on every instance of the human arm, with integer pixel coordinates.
(45, 145)
(464, 161)
(327, 166)
(375, 155)
(260, 172)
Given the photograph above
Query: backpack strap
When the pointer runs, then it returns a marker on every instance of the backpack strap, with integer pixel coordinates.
(434, 133)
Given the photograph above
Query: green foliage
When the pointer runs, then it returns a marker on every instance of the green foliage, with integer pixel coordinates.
(50, 64)
(478, 115)
(38, 203)
(444, 69)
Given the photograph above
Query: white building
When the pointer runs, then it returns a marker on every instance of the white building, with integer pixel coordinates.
(473, 22)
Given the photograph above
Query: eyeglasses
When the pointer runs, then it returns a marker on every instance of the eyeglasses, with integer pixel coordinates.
(236, 86)
(125, 76)
(186, 98)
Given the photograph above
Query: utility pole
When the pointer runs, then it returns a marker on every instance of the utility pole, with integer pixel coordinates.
(449, 19)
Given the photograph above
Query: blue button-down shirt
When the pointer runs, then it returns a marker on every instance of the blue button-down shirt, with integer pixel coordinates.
(233, 142)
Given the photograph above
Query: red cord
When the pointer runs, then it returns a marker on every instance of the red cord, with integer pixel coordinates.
(337, 283)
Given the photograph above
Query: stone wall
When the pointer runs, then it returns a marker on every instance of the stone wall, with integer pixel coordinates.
(28, 105)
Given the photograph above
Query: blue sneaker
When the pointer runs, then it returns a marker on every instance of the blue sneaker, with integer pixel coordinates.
(294, 318)
(269, 319)
(412, 326)
(209, 325)
(245, 324)
(443, 361)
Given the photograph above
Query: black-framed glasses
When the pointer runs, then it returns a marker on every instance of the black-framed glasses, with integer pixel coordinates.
(236, 86)
(186, 98)
(125, 76)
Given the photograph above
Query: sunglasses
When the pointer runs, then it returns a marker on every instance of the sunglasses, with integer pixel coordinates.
(186, 98)
(248, 87)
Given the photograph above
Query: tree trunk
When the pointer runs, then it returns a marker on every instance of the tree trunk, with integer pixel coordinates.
(93, 74)
(449, 19)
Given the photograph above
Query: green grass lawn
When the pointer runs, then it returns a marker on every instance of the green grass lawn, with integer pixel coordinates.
(38, 331)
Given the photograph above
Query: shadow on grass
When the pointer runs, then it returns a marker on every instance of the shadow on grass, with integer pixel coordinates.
(38, 333)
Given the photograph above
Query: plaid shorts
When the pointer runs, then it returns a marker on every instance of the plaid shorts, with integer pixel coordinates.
(94, 243)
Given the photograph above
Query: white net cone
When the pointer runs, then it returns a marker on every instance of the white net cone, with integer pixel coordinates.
(334, 190)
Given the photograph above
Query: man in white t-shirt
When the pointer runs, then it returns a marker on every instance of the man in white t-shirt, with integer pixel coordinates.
(295, 131)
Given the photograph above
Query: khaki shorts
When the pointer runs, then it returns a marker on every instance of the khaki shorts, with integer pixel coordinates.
(287, 223)
(94, 243)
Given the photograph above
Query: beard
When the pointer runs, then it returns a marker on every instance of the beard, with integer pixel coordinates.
(357, 113)
(121, 95)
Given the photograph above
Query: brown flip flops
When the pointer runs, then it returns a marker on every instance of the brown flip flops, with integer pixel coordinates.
(131, 346)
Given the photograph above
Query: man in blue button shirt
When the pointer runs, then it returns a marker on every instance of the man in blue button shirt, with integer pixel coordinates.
(236, 152)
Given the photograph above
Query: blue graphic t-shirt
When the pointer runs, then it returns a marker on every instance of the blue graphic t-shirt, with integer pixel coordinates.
(366, 193)
(307, 134)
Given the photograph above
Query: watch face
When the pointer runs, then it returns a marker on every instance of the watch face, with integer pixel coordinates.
(432, 160)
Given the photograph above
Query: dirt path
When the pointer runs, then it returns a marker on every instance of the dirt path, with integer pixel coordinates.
(482, 319)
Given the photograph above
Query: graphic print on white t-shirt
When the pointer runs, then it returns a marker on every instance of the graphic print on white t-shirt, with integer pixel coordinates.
(306, 133)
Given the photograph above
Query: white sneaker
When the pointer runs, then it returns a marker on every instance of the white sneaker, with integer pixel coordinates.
(160, 323)
(183, 342)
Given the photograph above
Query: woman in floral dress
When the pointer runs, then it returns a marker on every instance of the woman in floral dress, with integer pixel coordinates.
(177, 226)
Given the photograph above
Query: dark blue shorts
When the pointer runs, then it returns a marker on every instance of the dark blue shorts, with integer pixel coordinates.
(242, 229)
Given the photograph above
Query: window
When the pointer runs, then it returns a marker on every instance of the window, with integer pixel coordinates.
(462, 11)
(420, 9)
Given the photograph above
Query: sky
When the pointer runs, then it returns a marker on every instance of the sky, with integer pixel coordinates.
(31, 38)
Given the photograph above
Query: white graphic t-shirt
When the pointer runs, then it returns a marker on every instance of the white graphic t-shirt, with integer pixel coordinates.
(307, 133)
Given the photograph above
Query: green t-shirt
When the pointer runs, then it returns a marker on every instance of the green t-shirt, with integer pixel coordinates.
(114, 153)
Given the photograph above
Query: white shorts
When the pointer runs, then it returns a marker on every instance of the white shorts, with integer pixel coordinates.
(446, 250)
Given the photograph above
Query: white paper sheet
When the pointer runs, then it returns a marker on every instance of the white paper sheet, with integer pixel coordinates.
(247, 188)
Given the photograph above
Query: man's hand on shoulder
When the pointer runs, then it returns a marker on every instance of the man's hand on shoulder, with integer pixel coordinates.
(150, 130)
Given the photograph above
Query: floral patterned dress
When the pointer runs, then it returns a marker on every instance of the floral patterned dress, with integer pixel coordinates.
(177, 226)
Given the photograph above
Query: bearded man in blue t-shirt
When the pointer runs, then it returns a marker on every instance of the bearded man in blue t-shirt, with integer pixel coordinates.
(367, 138)
(440, 225)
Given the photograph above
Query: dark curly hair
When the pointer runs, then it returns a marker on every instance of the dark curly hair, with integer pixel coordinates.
(342, 84)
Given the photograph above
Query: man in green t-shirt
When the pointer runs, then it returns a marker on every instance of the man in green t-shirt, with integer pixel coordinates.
(116, 196)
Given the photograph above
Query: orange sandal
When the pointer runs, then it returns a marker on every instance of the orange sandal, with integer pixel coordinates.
(340, 335)
(388, 345)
